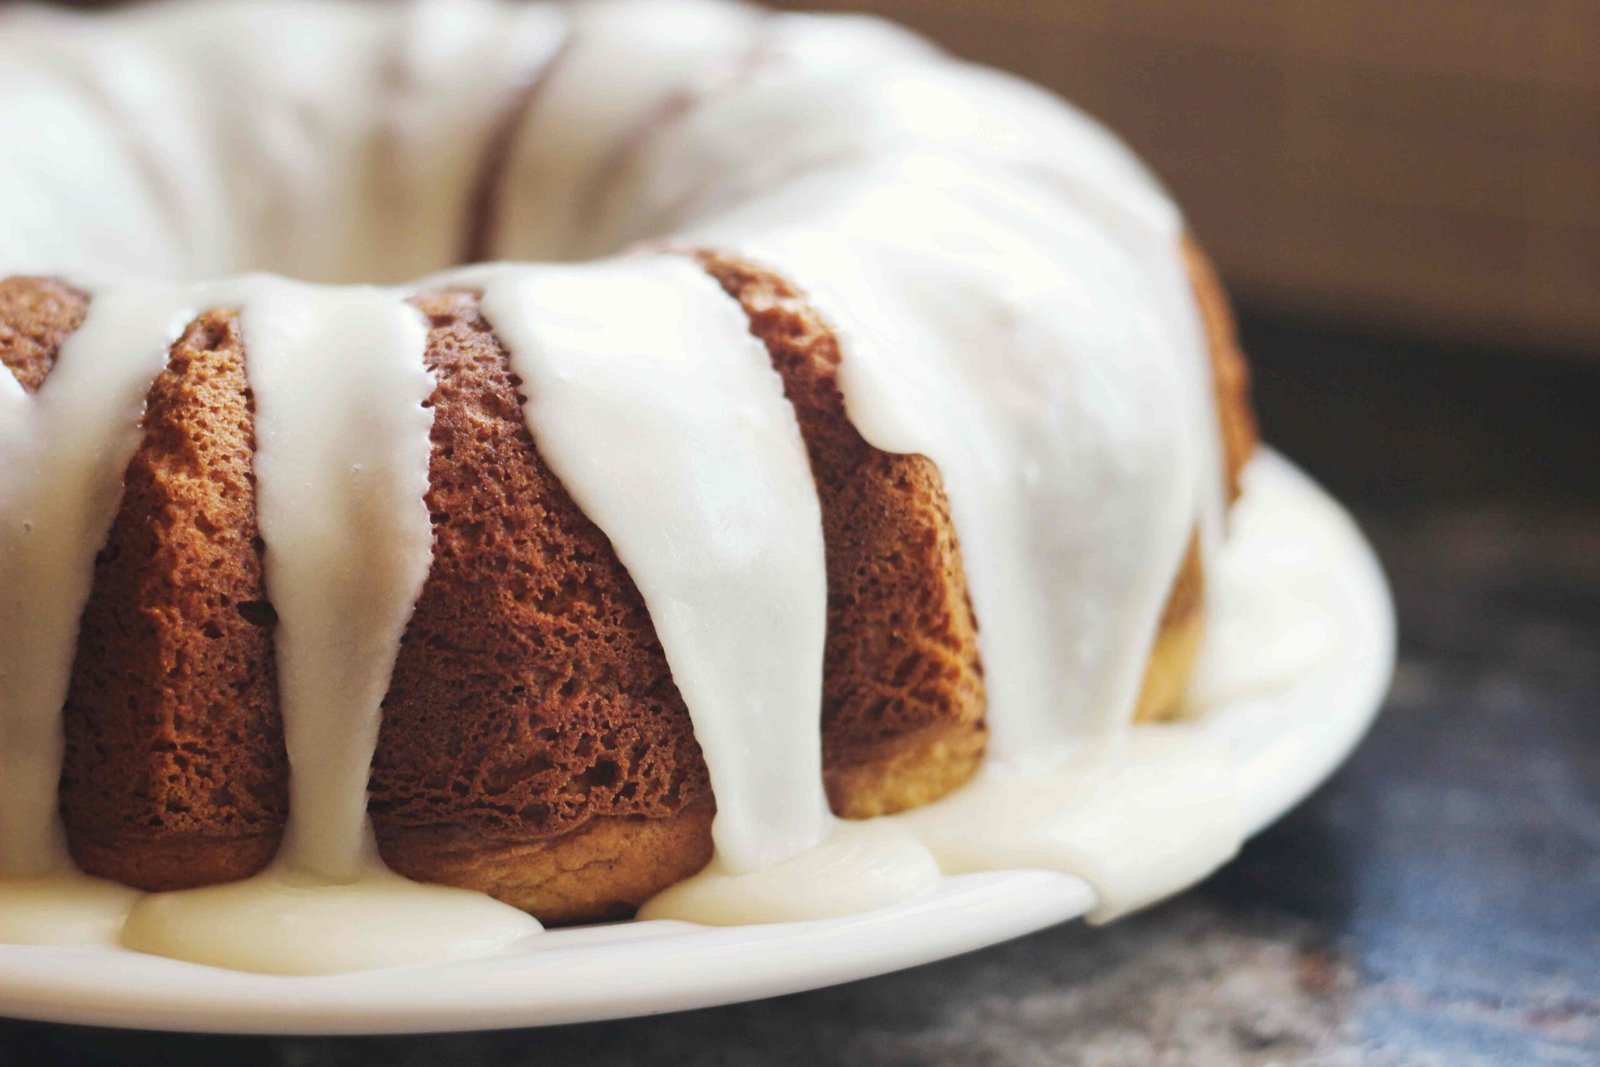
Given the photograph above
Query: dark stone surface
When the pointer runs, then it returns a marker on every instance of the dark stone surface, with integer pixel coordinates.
(1437, 903)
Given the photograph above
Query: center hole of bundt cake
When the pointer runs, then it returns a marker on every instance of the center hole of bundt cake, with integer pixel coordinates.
(333, 213)
(376, 255)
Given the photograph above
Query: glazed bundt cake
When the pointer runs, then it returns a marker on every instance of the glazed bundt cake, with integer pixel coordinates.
(880, 446)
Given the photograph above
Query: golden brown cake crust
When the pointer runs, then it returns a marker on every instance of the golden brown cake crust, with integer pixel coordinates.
(600, 871)
(1177, 642)
(175, 773)
(1230, 371)
(531, 695)
(36, 315)
(901, 657)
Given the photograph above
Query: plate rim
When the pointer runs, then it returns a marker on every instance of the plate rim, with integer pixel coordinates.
(646, 968)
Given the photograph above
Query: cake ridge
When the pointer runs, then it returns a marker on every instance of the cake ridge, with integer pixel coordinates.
(186, 782)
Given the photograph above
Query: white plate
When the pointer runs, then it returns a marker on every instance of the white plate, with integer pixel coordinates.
(1288, 737)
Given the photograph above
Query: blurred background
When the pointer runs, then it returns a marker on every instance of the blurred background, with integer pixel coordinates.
(1427, 166)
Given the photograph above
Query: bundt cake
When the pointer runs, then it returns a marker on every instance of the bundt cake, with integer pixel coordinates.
(862, 437)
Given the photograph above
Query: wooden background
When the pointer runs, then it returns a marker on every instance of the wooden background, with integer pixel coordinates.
(1427, 165)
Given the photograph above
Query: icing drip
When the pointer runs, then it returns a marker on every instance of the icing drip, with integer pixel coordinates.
(341, 470)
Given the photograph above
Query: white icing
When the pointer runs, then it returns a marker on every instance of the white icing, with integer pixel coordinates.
(64, 907)
(289, 921)
(341, 466)
(1258, 635)
(649, 55)
(287, 150)
(64, 176)
(1136, 816)
(1008, 288)
(859, 867)
(458, 67)
(842, 109)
